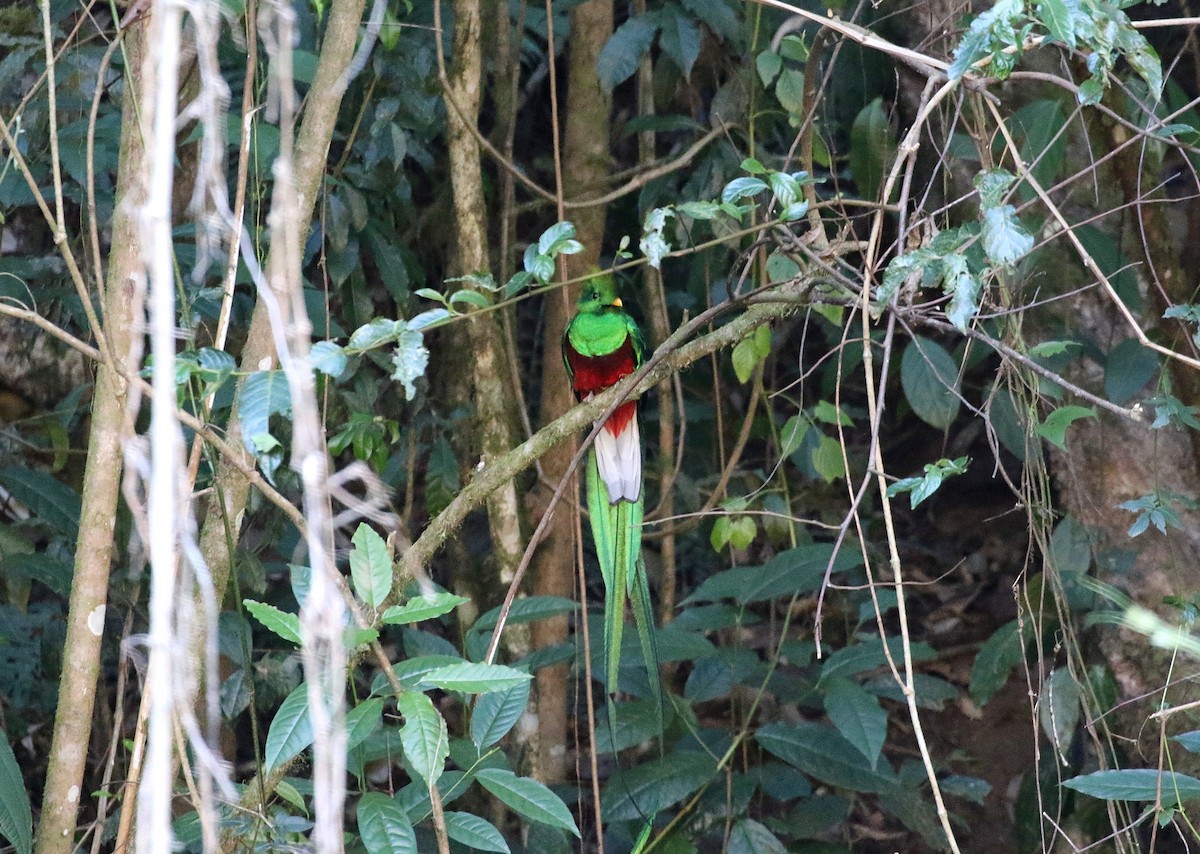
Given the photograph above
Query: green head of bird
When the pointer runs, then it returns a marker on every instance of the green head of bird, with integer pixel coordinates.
(599, 293)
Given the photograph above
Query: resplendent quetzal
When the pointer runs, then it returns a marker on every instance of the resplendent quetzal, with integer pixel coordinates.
(603, 344)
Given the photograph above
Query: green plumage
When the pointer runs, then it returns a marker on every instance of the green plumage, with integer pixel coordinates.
(603, 344)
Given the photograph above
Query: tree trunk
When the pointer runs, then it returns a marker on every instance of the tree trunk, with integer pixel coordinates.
(585, 166)
(101, 486)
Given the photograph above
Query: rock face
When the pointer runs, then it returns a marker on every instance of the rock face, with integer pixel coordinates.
(37, 368)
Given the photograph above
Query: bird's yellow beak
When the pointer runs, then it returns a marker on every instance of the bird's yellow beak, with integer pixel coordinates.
(617, 302)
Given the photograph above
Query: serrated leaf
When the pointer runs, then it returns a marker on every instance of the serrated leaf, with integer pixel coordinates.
(964, 289)
(528, 798)
(496, 712)
(424, 736)
(474, 832)
(472, 678)
(290, 732)
(929, 378)
(286, 625)
(1005, 240)
(745, 359)
(789, 89)
(860, 719)
(16, 818)
(623, 52)
(1137, 784)
(419, 608)
(370, 566)
(384, 826)
(1059, 18)
(768, 65)
(410, 359)
(1054, 428)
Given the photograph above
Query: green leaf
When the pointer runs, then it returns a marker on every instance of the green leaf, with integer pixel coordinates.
(827, 459)
(290, 732)
(789, 89)
(1127, 369)
(471, 678)
(384, 826)
(798, 570)
(262, 394)
(16, 819)
(370, 566)
(636, 722)
(51, 500)
(1059, 18)
(680, 38)
(792, 435)
(496, 712)
(623, 52)
(555, 237)
(929, 377)
(1190, 741)
(286, 625)
(424, 737)
(655, 785)
(328, 358)
(1058, 708)
(1000, 653)
(528, 798)
(419, 608)
(653, 244)
(768, 65)
(528, 609)
(1137, 784)
(964, 288)
(745, 359)
(717, 15)
(362, 721)
(821, 752)
(1054, 428)
(378, 331)
(872, 149)
(740, 188)
(410, 359)
(750, 837)
(860, 719)
(1005, 240)
(469, 297)
(474, 832)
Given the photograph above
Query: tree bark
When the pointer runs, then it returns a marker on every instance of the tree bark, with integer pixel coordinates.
(101, 487)
(494, 417)
(585, 166)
